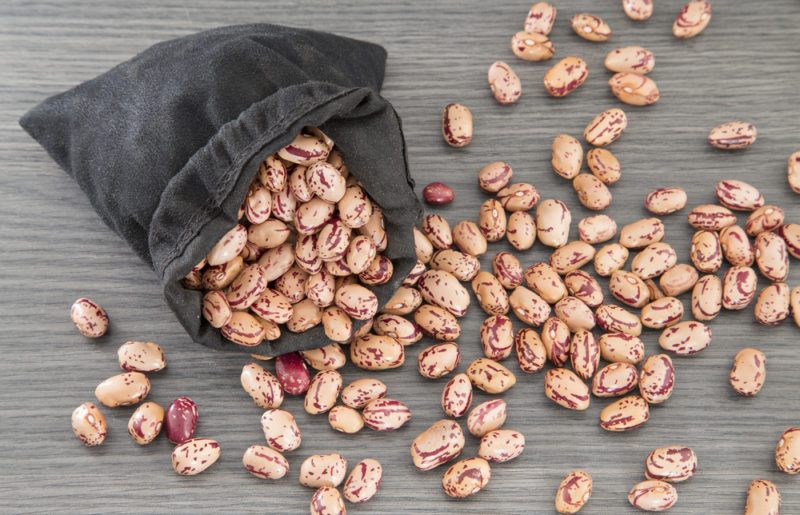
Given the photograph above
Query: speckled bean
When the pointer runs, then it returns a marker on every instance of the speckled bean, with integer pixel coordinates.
(272, 173)
(553, 221)
(772, 306)
(323, 392)
(89, 424)
(492, 220)
(791, 236)
(490, 376)
(361, 392)
(363, 482)
(529, 307)
(404, 301)
(763, 498)
(518, 197)
(532, 46)
(141, 357)
(573, 492)
(642, 233)
(616, 319)
(793, 172)
(614, 380)
(685, 338)
(566, 153)
(657, 379)
(466, 477)
(706, 252)
(672, 464)
(584, 287)
(575, 313)
(678, 279)
(739, 195)
(584, 353)
(592, 192)
(664, 201)
(355, 208)
(462, 266)
(327, 501)
(443, 289)
(345, 420)
(738, 287)
(229, 246)
(772, 256)
(456, 396)
(652, 495)
(495, 176)
(180, 420)
(566, 389)
(557, 341)
(692, 19)
(571, 256)
(443, 441)
(634, 89)
(629, 289)
(711, 217)
(707, 298)
(374, 352)
(662, 312)
(530, 350)
(146, 422)
(262, 386)
(765, 218)
(504, 83)
(323, 470)
(437, 231)
(654, 260)
(497, 337)
(545, 282)
(787, 451)
(487, 416)
(736, 246)
(617, 347)
(521, 231)
(625, 414)
(123, 389)
(457, 125)
(399, 328)
(794, 304)
(265, 463)
(606, 127)
(89, 317)
(610, 258)
(501, 445)
(563, 78)
(280, 430)
(438, 360)
(195, 456)
(597, 229)
(468, 238)
(541, 17)
(590, 27)
(632, 59)
(385, 414)
(749, 371)
(305, 149)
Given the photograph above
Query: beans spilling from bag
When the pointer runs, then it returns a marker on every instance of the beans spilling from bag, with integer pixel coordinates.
(258, 281)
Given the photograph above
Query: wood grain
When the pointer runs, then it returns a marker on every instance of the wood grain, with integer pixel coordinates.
(55, 249)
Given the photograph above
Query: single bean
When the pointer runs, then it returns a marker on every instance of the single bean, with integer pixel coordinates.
(545, 282)
(284, 204)
(532, 46)
(573, 492)
(541, 18)
(437, 322)
(363, 482)
(337, 324)
(123, 389)
(325, 181)
(361, 392)
(399, 328)
(763, 498)
(672, 464)
(794, 303)
(793, 172)
(707, 298)
(504, 83)
(642, 233)
(89, 317)
(355, 208)
(657, 379)
(438, 193)
(606, 127)
(229, 246)
(280, 430)
(685, 338)
(791, 236)
(590, 27)
(531, 353)
(738, 287)
(678, 279)
(89, 424)
(634, 89)
(323, 392)
(292, 284)
(625, 414)
(575, 313)
(180, 420)
(492, 220)
(292, 373)
(614, 380)
(507, 269)
(566, 152)
(749, 371)
(529, 307)
(272, 173)
(327, 501)
(706, 252)
(597, 229)
(565, 77)
(664, 201)
(553, 219)
(592, 192)
(146, 422)
(772, 306)
(466, 477)
(571, 256)
(262, 386)
(787, 451)
(323, 470)
(195, 456)
(566, 389)
(141, 357)
(438, 360)
(654, 260)
(521, 231)
(772, 257)
(501, 445)
(490, 376)
(487, 416)
(663, 312)
(375, 230)
(629, 289)
(610, 258)
(557, 341)
(739, 195)
(584, 287)
(415, 273)
(616, 319)
(457, 396)
(736, 246)
(404, 301)
(443, 441)
(385, 414)
(373, 352)
(495, 176)
(463, 266)
(765, 218)
(305, 149)
(653, 495)
(617, 347)
(692, 19)
(345, 420)
(584, 353)
(265, 463)
(497, 337)
(518, 197)
(631, 59)
(275, 262)
(711, 217)
(457, 125)
(468, 238)
(443, 289)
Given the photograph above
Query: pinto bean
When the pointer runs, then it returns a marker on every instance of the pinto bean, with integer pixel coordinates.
(657, 379)
(487, 416)
(557, 341)
(195, 456)
(385, 414)
(123, 389)
(337, 324)
(521, 231)
(437, 322)
(625, 414)
(541, 18)
(634, 89)
(530, 350)
(654, 260)
(706, 252)
(518, 197)
(529, 307)
(736, 246)
(466, 477)
(262, 386)
(772, 256)
(584, 353)
(443, 441)
(89, 317)
(363, 482)
(610, 258)
(590, 27)
(763, 498)
(606, 127)
(711, 217)
(629, 289)
(772, 306)
(323, 470)
(497, 337)
(504, 83)
(653, 495)
(146, 422)
(617, 347)
(438, 231)
(463, 266)
(707, 298)
(404, 301)
(553, 220)
(672, 464)
(373, 352)
(327, 501)
(642, 233)
(592, 193)
(732, 135)
(566, 151)
(399, 328)
(361, 392)
(438, 360)
(531, 46)
(566, 389)
(749, 371)
(738, 287)
(685, 338)
(664, 201)
(355, 208)
(571, 256)
(573, 492)
(678, 279)
(272, 173)
(490, 376)
(443, 289)
(89, 424)
(492, 220)
(323, 392)
(357, 301)
(584, 287)
(345, 420)
(662, 312)
(597, 229)
(573, 312)
(787, 451)
(793, 172)
(457, 396)
(791, 235)
(375, 230)
(632, 59)
(614, 380)
(495, 176)
(616, 319)
(692, 19)
(468, 238)
(507, 270)
(457, 125)
(565, 77)
(739, 195)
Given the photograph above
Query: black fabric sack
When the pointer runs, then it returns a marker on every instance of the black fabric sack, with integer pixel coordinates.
(166, 145)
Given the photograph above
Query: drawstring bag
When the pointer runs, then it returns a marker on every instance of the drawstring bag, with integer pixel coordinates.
(166, 145)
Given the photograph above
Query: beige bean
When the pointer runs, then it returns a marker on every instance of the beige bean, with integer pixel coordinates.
(462, 266)
(575, 313)
(361, 392)
(355, 208)
(793, 172)
(262, 386)
(269, 234)
(141, 357)
(654, 260)
(749, 371)
(416, 272)
(497, 337)
(610, 258)
(487, 416)
(612, 319)
(457, 125)
(438, 231)
(614, 380)
(246, 287)
(195, 456)
(772, 256)
(284, 204)
(229, 246)
(216, 309)
(373, 352)
(772, 306)
(265, 463)
(707, 298)
(566, 152)
(529, 307)
(490, 293)
(273, 306)
(662, 312)
(642, 233)
(672, 464)
(443, 441)
(655, 291)
(280, 430)
(275, 262)
(632, 59)
(738, 287)
(629, 289)
(791, 236)
(305, 149)
(146, 422)
(379, 271)
(739, 195)
(794, 303)
(557, 341)
(89, 424)
(532, 46)
(490, 376)
(764, 219)
(787, 451)
(604, 165)
(711, 217)
(375, 230)
(321, 289)
(664, 201)
(424, 247)
(437, 322)
(518, 197)
(89, 317)
(606, 127)
(492, 220)
(573, 492)
(617, 347)
(345, 420)
(545, 282)
(634, 89)
(541, 18)
(495, 176)
(685, 338)
(590, 27)
(566, 389)
(327, 501)
(404, 301)
(553, 220)
(323, 392)
(357, 301)
(399, 328)
(678, 279)
(521, 231)
(305, 315)
(244, 329)
(571, 256)
(763, 498)
(692, 19)
(438, 360)
(597, 229)
(331, 244)
(385, 414)
(592, 193)
(272, 331)
(292, 284)
(325, 181)
(736, 246)
(457, 396)
(504, 83)
(530, 350)
(653, 495)
(732, 135)
(562, 79)
(468, 238)
(706, 252)
(657, 379)
(584, 287)
(363, 482)
(584, 353)
(272, 173)
(507, 269)
(123, 389)
(443, 289)
(466, 477)
(323, 470)
(501, 445)
(625, 414)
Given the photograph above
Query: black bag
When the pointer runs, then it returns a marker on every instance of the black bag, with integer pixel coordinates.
(166, 145)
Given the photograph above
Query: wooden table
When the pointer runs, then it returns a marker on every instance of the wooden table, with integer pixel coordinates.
(54, 249)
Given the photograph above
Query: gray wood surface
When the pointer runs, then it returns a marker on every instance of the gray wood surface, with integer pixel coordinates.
(55, 249)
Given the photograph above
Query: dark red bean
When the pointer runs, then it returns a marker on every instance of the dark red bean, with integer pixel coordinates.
(180, 420)
(292, 373)
(438, 194)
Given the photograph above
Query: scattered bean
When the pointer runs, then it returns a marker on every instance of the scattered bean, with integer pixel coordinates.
(590, 27)
(692, 19)
(443, 441)
(363, 482)
(195, 456)
(490, 376)
(625, 414)
(566, 389)
(632, 59)
(504, 83)
(385, 414)
(89, 317)
(466, 477)
(574, 492)
(541, 18)
(89, 424)
(615, 379)
(532, 46)
(456, 126)
(664, 201)
(457, 396)
(652, 495)
(787, 452)
(265, 463)
(763, 498)
(565, 77)
(685, 338)
(323, 470)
